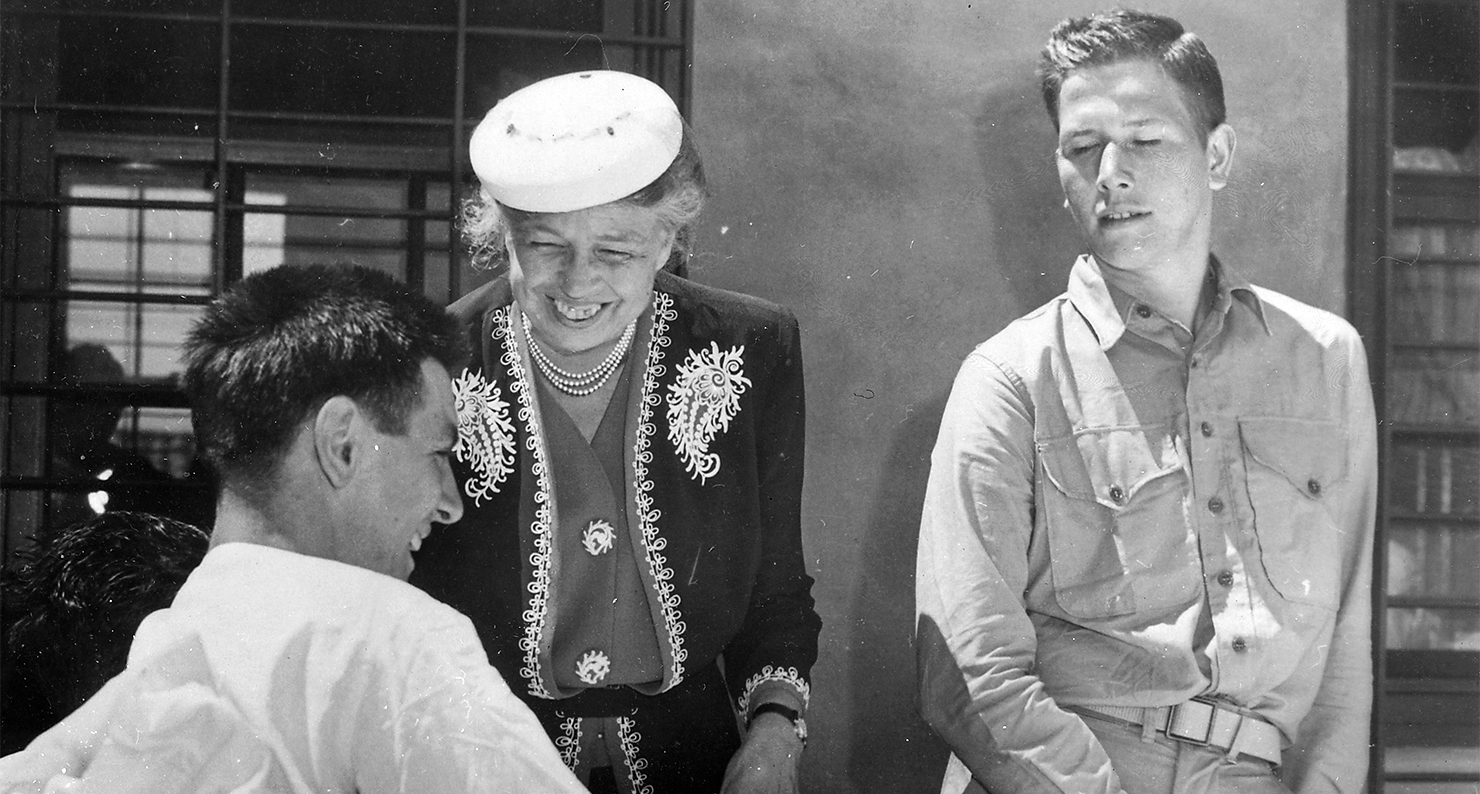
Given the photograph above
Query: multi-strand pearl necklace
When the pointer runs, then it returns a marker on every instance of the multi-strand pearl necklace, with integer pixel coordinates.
(579, 384)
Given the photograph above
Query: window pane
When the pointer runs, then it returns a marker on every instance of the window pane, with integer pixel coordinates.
(498, 66)
(1433, 757)
(24, 421)
(1437, 301)
(436, 272)
(1434, 476)
(1433, 629)
(1434, 559)
(157, 6)
(325, 190)
(1434, 240)
(27, 57)
(307, 70)
(1434, 386)
(1431, 787)
(1435, 42)
(551, 15)
(1431, 129)
(27, 235)
(131, 249)
(170, 63)
(162, 436)
(142, 340)
(421, 12)
(276, 238)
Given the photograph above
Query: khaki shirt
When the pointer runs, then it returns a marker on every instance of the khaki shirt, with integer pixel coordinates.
(1121, 512)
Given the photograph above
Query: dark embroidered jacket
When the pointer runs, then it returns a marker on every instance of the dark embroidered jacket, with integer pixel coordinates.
(713, 456)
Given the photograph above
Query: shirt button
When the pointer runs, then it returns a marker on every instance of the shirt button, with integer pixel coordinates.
(1207, 430)
(1215, 504)
(1143, 311)
(1225, 578)
(1314, 486)
(1117, 494)
(1239, 645)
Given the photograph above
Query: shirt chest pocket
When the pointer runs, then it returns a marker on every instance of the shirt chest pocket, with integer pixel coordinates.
(1293, 470)
(1110, 502)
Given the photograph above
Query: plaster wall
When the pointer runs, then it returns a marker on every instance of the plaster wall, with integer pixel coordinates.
(885, 169)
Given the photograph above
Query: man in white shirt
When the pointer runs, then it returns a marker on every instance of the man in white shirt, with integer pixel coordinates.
(296, 658)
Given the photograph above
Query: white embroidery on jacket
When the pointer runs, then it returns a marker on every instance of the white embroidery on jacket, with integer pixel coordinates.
(629, 737)
(701, 403)
(592, 667)
(597, 537)
(539, 560)
(647, 514)
(485, 436)
(789, 675)
(569, 740)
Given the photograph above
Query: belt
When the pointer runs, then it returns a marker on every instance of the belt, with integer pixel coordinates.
(1203, 722)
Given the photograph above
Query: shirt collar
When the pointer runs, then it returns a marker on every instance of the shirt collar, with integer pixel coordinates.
(1105, 308)
(1091, 296)
(1233, 285)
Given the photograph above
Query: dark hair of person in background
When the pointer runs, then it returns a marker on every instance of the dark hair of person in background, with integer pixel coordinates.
(81, 445)
(1124, 35)
(246, 414)
(73, 603)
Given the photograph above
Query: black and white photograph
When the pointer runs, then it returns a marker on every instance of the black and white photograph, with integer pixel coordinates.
(739, 396)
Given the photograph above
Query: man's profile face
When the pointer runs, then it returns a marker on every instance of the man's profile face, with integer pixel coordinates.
(409, 483)
(1136, 173)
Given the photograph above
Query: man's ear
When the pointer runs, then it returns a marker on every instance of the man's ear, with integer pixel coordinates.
(1221, 143)
(337, 438)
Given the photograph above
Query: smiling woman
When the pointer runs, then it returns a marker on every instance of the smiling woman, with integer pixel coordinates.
(631, 444)
(583, 277)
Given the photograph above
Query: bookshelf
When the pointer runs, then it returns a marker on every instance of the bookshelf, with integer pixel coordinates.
(1415, 295)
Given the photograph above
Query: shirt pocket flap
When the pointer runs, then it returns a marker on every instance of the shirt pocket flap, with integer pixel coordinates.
(1111, 465)
(1310, 454)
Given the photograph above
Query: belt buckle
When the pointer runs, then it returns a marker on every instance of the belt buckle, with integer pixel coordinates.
(1171, 729)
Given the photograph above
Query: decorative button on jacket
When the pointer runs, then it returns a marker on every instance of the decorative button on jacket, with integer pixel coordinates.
(598, 537)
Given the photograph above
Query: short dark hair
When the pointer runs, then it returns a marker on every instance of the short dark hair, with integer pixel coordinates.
(282, 342)
(1122, 35)
(80, 591)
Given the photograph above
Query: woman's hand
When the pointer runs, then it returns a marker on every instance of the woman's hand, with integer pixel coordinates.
(769, 761)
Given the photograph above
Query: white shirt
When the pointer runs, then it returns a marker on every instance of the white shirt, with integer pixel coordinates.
(275, 671)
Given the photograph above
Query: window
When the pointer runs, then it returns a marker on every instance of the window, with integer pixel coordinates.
(155, 151)
(1416, 299)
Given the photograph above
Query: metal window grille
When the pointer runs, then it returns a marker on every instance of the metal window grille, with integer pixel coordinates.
(154, 151)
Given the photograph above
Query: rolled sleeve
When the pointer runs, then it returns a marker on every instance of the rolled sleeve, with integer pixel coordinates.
(975, 642)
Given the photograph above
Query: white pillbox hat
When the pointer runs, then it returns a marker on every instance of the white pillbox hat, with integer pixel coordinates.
(576, 141)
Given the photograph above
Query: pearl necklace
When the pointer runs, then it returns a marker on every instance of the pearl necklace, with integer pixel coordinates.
(579, 384)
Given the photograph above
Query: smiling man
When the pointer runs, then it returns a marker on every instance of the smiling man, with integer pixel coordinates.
(296, 657)
(1145, 553)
